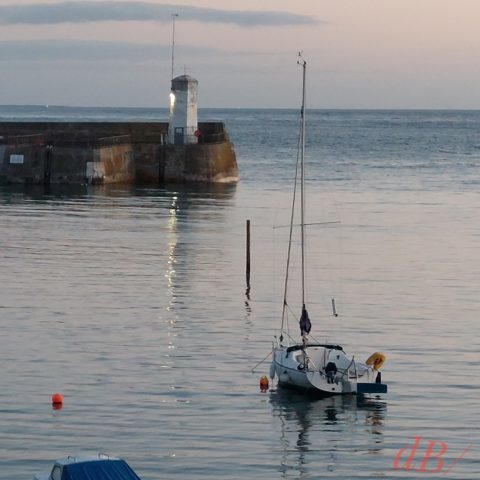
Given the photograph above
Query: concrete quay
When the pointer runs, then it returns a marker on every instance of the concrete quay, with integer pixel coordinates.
(136, 153)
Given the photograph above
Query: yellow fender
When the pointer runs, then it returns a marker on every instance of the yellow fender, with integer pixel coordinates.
(376, 359)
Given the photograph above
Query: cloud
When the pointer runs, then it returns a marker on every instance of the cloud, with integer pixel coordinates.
(88, 11)
(94, 51)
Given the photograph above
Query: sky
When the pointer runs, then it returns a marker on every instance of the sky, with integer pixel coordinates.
(360, 53)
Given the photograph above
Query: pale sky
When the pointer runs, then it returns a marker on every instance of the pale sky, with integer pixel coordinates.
(360, 53)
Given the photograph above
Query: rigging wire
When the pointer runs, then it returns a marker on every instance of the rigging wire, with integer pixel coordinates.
(292, 215)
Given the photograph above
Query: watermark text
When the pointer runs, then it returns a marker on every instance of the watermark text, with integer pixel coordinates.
(426, 461)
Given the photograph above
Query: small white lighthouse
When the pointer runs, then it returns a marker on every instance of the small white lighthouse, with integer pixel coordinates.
(183, 124)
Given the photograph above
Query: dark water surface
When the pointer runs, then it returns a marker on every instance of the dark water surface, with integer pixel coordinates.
(131, 302)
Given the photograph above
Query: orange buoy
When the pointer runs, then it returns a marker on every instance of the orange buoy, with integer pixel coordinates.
(57, 401)
(264, 383)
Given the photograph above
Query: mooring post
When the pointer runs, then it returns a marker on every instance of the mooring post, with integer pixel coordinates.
(248, 257)
(47, 165)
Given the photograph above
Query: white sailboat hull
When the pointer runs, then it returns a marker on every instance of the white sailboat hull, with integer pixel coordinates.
(310, 369)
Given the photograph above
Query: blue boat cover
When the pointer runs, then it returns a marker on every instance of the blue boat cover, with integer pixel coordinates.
(99, 470)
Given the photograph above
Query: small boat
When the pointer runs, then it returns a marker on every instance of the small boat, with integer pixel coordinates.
(93, 467)
(311, 366)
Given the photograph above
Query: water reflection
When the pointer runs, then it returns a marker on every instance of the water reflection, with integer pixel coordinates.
(170, 272)
(76, 191)
(157, 237)
(319, 430)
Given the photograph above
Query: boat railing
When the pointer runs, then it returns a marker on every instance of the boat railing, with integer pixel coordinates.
(347, 371)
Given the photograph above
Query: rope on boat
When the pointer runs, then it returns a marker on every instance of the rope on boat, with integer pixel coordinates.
(260, 362)
(292, 216)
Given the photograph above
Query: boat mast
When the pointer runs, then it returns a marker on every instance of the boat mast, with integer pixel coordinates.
(305, 325)
(303, 64)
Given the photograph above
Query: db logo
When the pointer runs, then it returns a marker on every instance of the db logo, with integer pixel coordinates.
(432, 461)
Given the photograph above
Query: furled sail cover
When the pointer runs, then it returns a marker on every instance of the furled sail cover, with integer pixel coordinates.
(305, 325)
(99, 470)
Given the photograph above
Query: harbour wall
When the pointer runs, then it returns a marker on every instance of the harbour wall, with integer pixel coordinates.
(112, 152)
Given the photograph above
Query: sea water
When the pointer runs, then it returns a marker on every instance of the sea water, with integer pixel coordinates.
(131, 302)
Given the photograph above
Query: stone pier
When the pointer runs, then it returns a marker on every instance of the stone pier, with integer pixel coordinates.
(112, 152)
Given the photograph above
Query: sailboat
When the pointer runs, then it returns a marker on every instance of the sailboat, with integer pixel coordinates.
(317, 368)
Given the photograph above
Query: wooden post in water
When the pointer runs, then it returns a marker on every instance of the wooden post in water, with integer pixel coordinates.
(248, 258)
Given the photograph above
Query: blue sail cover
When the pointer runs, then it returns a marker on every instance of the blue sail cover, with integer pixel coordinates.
(99, 470)
(305, 324)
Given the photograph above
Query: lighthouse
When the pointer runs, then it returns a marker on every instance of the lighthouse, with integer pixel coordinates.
(183, 123)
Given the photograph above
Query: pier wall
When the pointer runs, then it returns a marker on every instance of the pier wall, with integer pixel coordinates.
(193, 163)
(112, 152)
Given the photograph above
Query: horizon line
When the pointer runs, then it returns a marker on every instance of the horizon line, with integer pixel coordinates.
(377, 109)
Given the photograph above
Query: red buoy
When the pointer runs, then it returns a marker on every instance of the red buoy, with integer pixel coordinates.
(57, 401)
(264, 383)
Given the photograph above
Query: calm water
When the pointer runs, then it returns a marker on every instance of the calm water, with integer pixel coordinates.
(131, 302)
